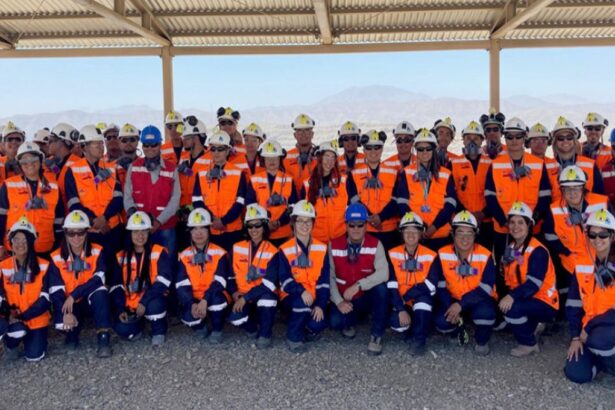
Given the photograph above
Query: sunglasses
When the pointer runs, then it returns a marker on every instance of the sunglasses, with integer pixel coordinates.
(356, 226)
(424, 149)
(492, 129)
(171, 126)
(566, 137)
(406, 140)
(72, 234)
(510, 137)
(110, 137)
(150, 145)
(129, 140)
(601, 235)
(373, 147)
(218, 149)
(224, 122)
(593, 128)
(14, 139)
(255, 226)
(347, 138)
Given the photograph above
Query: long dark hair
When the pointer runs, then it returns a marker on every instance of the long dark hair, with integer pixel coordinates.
(31, 259)
(434, 165)
(65, 247)
(129, 252)
(317, 176)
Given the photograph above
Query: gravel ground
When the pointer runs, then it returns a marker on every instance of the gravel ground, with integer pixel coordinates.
(335, 373)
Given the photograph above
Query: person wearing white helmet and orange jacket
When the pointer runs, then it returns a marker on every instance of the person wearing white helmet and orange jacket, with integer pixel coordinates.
(565, 141)
(493, 125)
(372, 184)
(591, 304)
(24, 296)
(466, 285)
(221, 189)
(140, 283)
(41, 139)
(300, 160)
(357, 278)
(274, 190)
(428, 189)
(253, 137)
(228, 119)
(404, 135)
(129, 140)
(13, 137)
(255, 299)
(152, 186)
(445, 130)
(201, 280)
(77, 285)
(173, 145)
(530, 277)
(594, 126)
(303, 274)
(61, 142)
(33, 196)
(412, 284)
(111, 133)
(349, 136)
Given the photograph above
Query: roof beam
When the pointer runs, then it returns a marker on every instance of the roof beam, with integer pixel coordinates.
(521, 17)
(322, 17)
(146, 11)
(5, 42)
(124, 21)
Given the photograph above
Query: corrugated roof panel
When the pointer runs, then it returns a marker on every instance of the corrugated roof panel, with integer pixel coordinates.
(412, 37)
(171, 5)
(63, 25)
(245, 41)
(563, 33)
(241, 23)
(84, 43)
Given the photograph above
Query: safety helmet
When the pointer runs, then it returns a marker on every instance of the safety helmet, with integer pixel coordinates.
(303, 122)
(151, 135)
(465, 218)
(446, 123)
(373, 137)
(564, 124)
(24, 225)
(139, 221)
(129, 130)
(90, 133)
(42, 136)
(601, 219)
(538, 131)
(410, 219)
(572, 176)
(304, 208)
(29, 148)
(404, 128)
(198, 217)
(493, 118)
(110, 127)
(76, 220)
(11, 128)
(271, 149)
(349, 128)
(65, 132)
(521, 209)
(355, 212)
(228, 114)
(332, 146)
(515, 125)
(593, 118)
(101, 125)
(255, 130)
(473, 128)
(173, 117)
(220, 138)
(424, 135)
(255, 212)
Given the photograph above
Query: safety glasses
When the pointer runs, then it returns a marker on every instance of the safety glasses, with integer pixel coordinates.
(424, 149)
(601, 235)
(150, 145)
(110, 137)
(28, 161)
(13, 139)
(72, 234)
(218, 149)
(492, 129)
(129, 140)
(171, 126)
(406, 140)
(225, 122)
(511, 137)
(372, 147)
(593, 128)
(257, 225)
(566, 137)
(356, 225)
(347, 138)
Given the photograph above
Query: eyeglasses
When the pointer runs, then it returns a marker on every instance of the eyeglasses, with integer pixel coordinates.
(406, 140)
(347, 138)
(255, 226)
(171, 126)
(28, 161)
(129, 140)
(424, 149)
(372, 147)
(110, 137)
(218, 149)
(511, 137)
(72, 234)
(492, 129)
(593, 128)
(601, 235)
(14, 139)
(150, 145)
(356, 226)
(225, 122)
(566, 137)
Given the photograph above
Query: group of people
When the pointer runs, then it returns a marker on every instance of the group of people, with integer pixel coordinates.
(125, 225)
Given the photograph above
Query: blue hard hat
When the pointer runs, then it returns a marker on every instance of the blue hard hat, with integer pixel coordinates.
(151, 135)
(356, 212)
(612, 135)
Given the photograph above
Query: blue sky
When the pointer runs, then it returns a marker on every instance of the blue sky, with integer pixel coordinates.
(49, 85)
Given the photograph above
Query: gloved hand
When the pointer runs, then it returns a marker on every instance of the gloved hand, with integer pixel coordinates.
(184, 169)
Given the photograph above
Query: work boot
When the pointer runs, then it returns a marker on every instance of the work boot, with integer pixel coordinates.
(252, 335)
(263, 343)
(158, 340)
(72, 340)
(374, 347)
(417, 349)
(215, 338)
(349, 332)
(11, 355)
(296, 347)
(481, 350)
(104, 345)
(202, 332)
(312, 337)
(524, 350)
(540, 328)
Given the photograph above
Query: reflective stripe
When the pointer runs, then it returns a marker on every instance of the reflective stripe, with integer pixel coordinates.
(101, 275)
(402, 201)
(240, 200)
(484, 322)
(514, 321)
(73, 201)
(551, 237)
(400, 329)
(392, 285)
(240, 321)
(113, 288)
(488, 289)
(286, 282)
(52, 290)
(220, 280)
(340, 281)
(35, 359)
(451, 201)
(422, 306)
(16, 335)
(430, 286)
(489, 192)
(100, 289)
(301, 310)
(425, 258)
(575, 303)
(267, 303)
(269, 285)
(240, 250)
(197, 199)
(156, 316)
(585, 269)
(442, 284)
(217, 308)
(544, 192)
(185, 282)
(448, 256)
(163, 280)
(193, 323)
(604, 353)
(322, 286)
(535, 281)
(318, 248)
(499, 165)
(45, 295)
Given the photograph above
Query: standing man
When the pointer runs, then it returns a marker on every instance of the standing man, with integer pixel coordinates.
(228, 119)
(493, 124)
(300, 161)
(61, 142)
(404, 135)
(348, 138)
(13, 137)
(129, 140)
(445, 134)
(172, 148)
(594, 126)
(111, 133)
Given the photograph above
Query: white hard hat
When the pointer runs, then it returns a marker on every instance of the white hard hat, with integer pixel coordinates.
(42, 136)
(303, 122)
(564, 124)
(349, 128)
(332, 146)
(410, 219)
(129, 130)
(473, 128)
(572, 176)
(404, 128)
(304, 208)
(593, 118)
(521, 209)
(139, 221)
(446, 123)
(23, 224)
(515, 125)
(220, 138)
(65, 132)
(76, 220)
(255, 130)
(11, 128)
(373, 137)
(90, 133)
(198, 217)
(29, 148)
(110, 127)
(465, 218)
(538, 131)
(228, 114)
(255, 212)
(601, 219)
(425, 135)
(193, 126)
(173, 117)
(271, 149)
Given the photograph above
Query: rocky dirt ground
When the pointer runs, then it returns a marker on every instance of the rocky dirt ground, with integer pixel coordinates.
(188, 373)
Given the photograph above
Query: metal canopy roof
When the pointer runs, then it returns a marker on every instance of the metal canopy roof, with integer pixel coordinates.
(142, 27)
